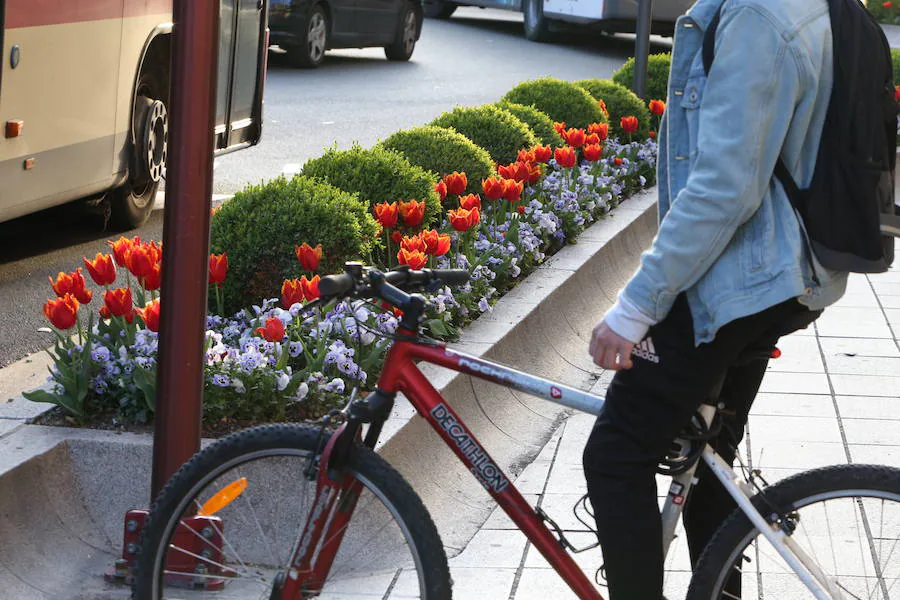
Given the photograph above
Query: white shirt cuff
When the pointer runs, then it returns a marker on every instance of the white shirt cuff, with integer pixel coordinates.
(627, 320)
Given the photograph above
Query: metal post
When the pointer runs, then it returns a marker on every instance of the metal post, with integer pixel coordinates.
(642, 46)
(186, 237)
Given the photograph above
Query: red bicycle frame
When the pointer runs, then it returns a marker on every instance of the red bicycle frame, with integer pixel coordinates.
(400, 374)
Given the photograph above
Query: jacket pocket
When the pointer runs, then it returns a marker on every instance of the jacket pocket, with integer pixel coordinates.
(691, 100)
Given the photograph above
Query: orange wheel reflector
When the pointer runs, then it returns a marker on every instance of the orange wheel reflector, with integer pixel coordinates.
(223, 498)
(776, 353)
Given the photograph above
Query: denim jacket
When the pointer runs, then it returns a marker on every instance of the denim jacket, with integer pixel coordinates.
(728, 235)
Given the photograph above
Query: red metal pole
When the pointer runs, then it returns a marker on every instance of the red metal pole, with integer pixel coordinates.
(179, 393)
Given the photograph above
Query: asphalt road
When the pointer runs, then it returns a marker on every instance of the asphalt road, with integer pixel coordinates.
(356, 96)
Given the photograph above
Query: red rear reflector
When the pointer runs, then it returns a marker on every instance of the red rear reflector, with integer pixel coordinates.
(776, 353)
(14, 128)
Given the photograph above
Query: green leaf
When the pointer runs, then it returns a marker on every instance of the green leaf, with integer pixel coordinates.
(147, 384)
(437, 327)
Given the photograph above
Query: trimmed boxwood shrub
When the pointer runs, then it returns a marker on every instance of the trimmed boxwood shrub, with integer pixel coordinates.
(559, 100)
(260, 226)
(620, 102)
(658, 67)
(496, 130)
(540, 123)
(377, 175)
(443, 151)
(895, 58)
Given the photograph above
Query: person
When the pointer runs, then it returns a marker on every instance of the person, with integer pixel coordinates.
(726, 272)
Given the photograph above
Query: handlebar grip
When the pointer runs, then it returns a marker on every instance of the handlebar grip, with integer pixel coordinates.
(336, 285)
(453, 277)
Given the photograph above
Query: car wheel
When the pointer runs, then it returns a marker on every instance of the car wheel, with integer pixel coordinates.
(438, 9)
(536, 26)
(132, 203)
(310, 53)
(405, 41)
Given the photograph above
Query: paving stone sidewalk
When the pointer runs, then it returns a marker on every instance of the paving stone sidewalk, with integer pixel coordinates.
(833, 397)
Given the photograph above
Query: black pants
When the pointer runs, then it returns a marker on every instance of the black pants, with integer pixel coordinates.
(646, 408)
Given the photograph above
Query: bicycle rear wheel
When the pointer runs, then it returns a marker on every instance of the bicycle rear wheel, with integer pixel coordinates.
(226, 524)
(847, 519)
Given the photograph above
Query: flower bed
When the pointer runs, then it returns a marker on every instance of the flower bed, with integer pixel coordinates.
(275, 362)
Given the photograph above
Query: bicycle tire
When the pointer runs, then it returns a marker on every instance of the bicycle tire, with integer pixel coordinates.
(729, 545)
(279, 441)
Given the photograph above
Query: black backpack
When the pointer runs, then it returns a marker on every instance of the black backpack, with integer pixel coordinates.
(848, 210)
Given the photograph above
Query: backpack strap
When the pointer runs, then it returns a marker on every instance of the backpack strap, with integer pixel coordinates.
(709, 40)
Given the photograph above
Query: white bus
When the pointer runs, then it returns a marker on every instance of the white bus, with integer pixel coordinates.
(84, 86)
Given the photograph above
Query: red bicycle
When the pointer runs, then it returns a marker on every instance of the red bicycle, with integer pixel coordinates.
(301, 511)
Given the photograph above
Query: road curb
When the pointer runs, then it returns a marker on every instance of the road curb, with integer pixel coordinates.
(64, 492)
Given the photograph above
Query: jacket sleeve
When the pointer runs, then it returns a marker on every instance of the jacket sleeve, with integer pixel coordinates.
(746, 111)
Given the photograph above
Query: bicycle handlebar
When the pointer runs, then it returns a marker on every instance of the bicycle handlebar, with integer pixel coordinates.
(391, 286)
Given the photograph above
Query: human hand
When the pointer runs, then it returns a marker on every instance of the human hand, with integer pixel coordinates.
(609, 349)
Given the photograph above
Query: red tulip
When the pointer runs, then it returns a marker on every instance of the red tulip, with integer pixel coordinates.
(897, 93)
(310, 287)
(456, 182)
(139, 259)
(218, 268)
(653, 135)
(629, 124)
(436, 244)
(526, 156)
(386, 214)
(513, 190)
(519, 171)
(520, 209)
(542, 154)
(560, 127)
(565, 157)
(308, 256)
(120, 249)
(657, 107)
(441, 189)
(493, 188)
(72, 283)
(414, 258)
(593, 152)
(413, 243)
(618, 161)
(153, 281)
(601, 129)
(603, 108)
(412, 212)
(150, 315)
(62, 312)
(463, 219)
(397, 237)
(887, 4)
(291, 293)
(592, 138)
(574, 137)
(102, 269)
(119, 303)
(273, 331)
(104, 312)
(470, 201)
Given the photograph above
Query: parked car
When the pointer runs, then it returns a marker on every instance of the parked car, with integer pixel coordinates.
(543, 16)
(306, 29)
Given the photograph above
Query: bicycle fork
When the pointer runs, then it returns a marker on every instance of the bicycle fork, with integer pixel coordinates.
(321, 536)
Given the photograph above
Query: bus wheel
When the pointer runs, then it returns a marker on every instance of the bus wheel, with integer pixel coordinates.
(536, 26)
(133, 202)
(438, 9)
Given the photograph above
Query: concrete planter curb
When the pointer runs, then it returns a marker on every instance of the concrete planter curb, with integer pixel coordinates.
(64, 492)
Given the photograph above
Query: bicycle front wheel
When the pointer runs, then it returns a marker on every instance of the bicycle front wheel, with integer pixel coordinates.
(846, 518)
(228, 522)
